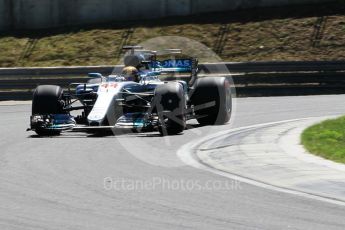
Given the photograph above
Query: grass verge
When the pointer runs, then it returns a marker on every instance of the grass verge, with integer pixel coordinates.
(295, 33)
(326, 139)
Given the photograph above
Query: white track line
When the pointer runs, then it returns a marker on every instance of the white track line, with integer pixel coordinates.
(187, 154)
(13, 103)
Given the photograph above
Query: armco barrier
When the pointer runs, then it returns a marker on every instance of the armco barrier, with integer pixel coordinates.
(241, 67)
(250, 78)
(289, 66)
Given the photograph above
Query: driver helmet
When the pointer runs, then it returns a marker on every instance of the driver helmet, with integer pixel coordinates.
(130, 73)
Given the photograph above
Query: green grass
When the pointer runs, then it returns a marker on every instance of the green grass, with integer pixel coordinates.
(326, 139)
(254, 35)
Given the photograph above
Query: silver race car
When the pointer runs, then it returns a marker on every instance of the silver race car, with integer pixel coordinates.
(148, 95)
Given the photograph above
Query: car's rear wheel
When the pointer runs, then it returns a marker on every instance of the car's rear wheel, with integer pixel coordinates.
(170, 104)
(47, 99)
(212, 100)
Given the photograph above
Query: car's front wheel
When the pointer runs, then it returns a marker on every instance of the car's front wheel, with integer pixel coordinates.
(47, 100)
(170, 103)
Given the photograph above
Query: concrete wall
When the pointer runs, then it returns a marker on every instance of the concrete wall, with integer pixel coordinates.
(5, 9)
(217, 5)
(36, 14)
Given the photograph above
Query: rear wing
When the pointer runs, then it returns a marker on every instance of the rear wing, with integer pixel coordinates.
(184, 65)
(173, 65)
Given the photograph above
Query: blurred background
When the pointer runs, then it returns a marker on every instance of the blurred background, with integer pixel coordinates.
(92, 32)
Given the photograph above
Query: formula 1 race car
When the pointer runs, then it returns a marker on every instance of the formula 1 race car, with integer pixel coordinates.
(137, 98)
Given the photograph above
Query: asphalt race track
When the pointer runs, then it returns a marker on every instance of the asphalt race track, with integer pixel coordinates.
(136, 181)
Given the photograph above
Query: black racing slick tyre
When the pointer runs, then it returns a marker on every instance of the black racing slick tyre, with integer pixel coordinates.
(170, 103)
(211, 97)
(47, 99)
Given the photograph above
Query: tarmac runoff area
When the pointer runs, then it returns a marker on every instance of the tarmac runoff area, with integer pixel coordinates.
(271, 156)
(58, 183)
(267, 155)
